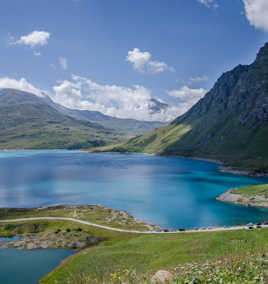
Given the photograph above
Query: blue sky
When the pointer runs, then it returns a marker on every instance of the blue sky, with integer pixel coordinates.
(114, 56)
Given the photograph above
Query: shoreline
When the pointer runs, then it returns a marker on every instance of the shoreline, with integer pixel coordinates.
(152, 229)
(222, 168)
(29, 226)
(226, 169)
(250, 201)
(169, 232)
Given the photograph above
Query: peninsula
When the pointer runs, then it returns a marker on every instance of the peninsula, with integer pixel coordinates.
(256, 195)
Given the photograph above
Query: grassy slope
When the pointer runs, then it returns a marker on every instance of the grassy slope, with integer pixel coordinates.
(228, 124)
(244, 149)
(147, 254)
(144, 254)
(156, 141)
(27, 121)
(252, 190)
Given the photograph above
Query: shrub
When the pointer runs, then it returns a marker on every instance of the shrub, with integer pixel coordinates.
(9, 227)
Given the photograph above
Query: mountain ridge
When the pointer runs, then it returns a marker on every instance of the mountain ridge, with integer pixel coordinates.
(125, 126)
(230, 123)
(28, 121)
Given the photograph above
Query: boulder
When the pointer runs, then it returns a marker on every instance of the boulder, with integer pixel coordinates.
(162, 276)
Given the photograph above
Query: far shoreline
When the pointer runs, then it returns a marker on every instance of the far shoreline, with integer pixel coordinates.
(222, 168)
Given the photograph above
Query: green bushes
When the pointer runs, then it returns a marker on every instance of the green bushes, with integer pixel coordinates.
(8, 227)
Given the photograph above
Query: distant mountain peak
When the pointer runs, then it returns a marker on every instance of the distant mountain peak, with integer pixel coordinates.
(229, 124)
(157, 106)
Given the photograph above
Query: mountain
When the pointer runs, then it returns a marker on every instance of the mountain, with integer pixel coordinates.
(28, 121)
(126, 127)
(156, 106)
(229, 124)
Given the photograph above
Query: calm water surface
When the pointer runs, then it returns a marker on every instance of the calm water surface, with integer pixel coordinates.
(171, 192)
(27, 267)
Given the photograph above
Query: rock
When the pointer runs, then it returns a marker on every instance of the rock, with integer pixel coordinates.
(71, 245)
(31, 246)
(162, 276)
(19, 244)
(80, 244)
(45, 244)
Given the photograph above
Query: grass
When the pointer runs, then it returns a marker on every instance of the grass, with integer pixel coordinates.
(36, 227)
(147, 254)
(252, 190)
(55, 136)
(29, 122)
(155, 141)
(94, 214)
(123, 257)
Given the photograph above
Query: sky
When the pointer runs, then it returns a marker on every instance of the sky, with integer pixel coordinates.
(116, 56)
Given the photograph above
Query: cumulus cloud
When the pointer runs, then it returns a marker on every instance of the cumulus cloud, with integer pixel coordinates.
(257, 13)
(136, 102)
(21, 84)
(36, 38)
(142, 62)
(63, 63)
(187, 97)
(209, 3)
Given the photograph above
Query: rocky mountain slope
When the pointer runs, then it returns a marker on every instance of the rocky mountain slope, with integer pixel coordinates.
(230, 123)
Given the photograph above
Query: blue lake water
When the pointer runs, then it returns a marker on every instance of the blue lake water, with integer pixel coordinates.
(171, 192)
(27, 267)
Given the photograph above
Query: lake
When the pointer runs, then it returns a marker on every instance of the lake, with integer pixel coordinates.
(171, 192)
(27, 267)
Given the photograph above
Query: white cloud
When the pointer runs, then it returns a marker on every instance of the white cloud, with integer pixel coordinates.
(142, 62)
(209, 3)
(257, 13)
(21, 84)
(63, 63)
(36, 38)
(187, 97)
(135, 102)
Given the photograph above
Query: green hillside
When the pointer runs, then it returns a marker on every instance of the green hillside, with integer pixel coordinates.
(124, 126)
(229, 124)
(28, 122)
(116, 257)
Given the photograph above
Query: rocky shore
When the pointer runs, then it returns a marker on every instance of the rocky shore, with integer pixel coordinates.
(56, 234)
(230, 170)
(255, 201)
(70, 239)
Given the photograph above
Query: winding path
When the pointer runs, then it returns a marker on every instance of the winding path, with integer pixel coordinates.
(218, 229)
